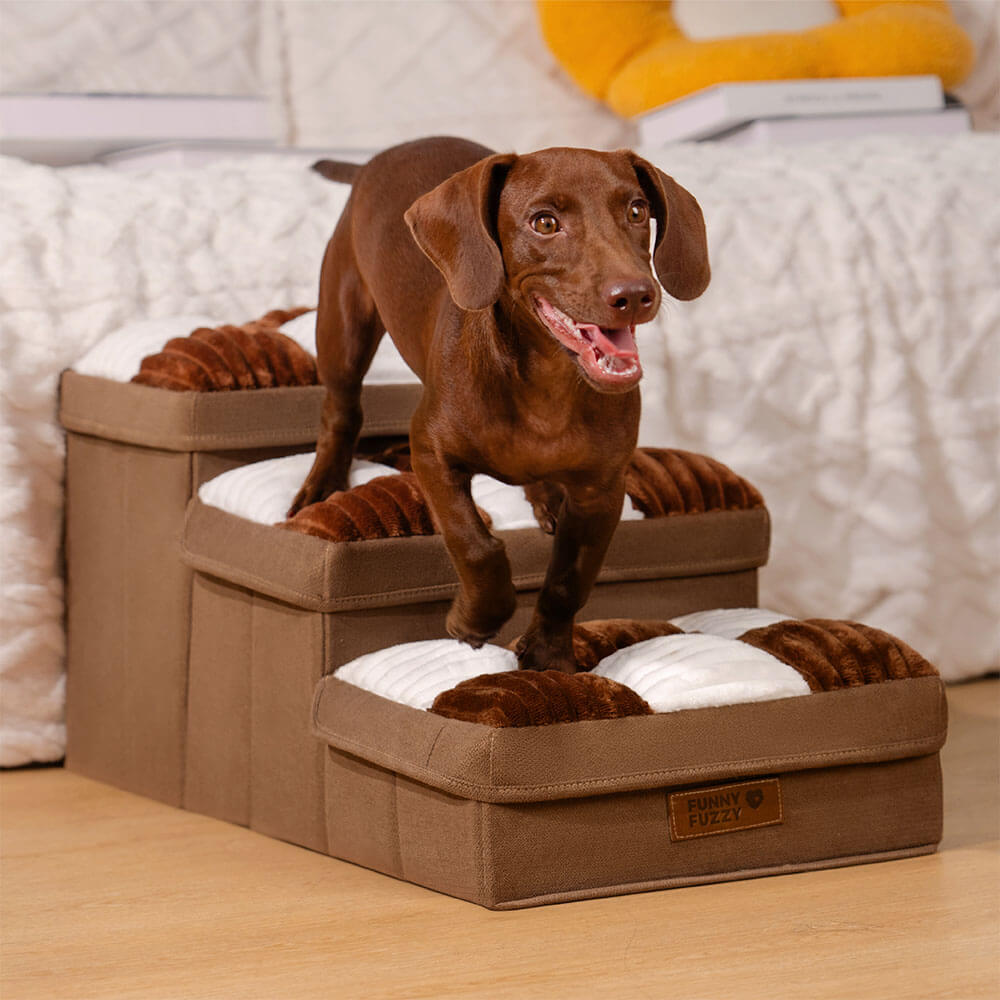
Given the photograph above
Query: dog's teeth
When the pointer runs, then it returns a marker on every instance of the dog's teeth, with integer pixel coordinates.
(616, 366)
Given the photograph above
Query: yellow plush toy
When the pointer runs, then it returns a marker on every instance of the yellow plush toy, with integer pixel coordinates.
(634, 56)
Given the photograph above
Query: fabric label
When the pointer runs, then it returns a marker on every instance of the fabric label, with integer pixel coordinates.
(703, 812)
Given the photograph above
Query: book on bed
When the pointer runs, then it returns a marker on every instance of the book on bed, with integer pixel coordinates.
(717, 110)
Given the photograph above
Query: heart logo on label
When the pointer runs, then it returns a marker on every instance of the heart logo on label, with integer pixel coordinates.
(754, 797)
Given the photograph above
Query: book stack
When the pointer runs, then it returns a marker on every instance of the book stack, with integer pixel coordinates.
(61, 129)
(775, 112)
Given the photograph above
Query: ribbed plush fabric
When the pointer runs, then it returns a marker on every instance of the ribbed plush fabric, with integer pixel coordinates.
(397, 509)
(594, 640)
(390, 506)
(538, 698)
(666, 481)
(253, 356)
(834, 654)
(262, 492)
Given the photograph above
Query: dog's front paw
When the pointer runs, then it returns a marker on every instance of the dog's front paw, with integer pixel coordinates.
(303, 498)
(536, 650)
(317, 487)
(477, 625)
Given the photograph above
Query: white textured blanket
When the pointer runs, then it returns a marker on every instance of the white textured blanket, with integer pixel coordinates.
(844, 360)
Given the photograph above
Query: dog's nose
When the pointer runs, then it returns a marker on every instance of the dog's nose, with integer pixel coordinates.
(635, 298)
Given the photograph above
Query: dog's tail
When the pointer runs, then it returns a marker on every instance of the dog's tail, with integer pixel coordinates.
(337, 170)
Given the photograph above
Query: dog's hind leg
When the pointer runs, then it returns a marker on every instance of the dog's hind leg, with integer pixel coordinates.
(348, 331)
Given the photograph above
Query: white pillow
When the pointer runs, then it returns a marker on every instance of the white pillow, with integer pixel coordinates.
(674, 672)
(729, 623)
(264, 491)
(118, 355)
(509, 508)
(415, 673)
(302, 330)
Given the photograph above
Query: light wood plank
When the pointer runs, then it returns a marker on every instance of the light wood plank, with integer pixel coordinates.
(107, 895)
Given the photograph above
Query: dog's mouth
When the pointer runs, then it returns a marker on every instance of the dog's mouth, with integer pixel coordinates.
(607, 355)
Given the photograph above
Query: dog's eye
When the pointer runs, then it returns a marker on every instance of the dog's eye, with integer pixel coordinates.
(545, 224)
(638, 212)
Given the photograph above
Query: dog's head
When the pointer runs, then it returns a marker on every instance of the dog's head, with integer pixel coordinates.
(566, 233)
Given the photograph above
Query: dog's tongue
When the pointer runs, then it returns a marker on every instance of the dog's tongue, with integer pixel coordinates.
(616, 343)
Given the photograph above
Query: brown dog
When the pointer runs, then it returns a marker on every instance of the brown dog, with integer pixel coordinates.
(512, 286)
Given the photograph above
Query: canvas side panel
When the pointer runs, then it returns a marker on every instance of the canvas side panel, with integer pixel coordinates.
(209, 464)
(662, 599)
(828, 814)
(97, 745)
(441, 841)
(217, 775)
(286, 760)
(129, 599)
(354, 633)
(361, 820)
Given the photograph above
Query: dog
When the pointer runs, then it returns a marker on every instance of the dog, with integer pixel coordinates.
(512, 286)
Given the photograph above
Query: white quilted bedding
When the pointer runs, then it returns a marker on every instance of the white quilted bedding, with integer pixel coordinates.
(845, 360)
(671, 672)
(264, 491)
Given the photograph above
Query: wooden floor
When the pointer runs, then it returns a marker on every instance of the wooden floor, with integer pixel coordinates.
(105, 894)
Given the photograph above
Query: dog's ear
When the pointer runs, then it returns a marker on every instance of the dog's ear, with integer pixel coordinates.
(455, 225)
(680, 255)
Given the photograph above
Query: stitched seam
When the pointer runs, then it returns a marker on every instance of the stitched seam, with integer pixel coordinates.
(729, 874)
(189, 441)
(311, 601)
(250, 709)
(302, 432)
(326, 645)
(327, 575)
(126, 582)
(325, 602)
(736, 829)
(430, 752)
(397, 839)
(189, 624)
(764, 763)
(481, 849)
